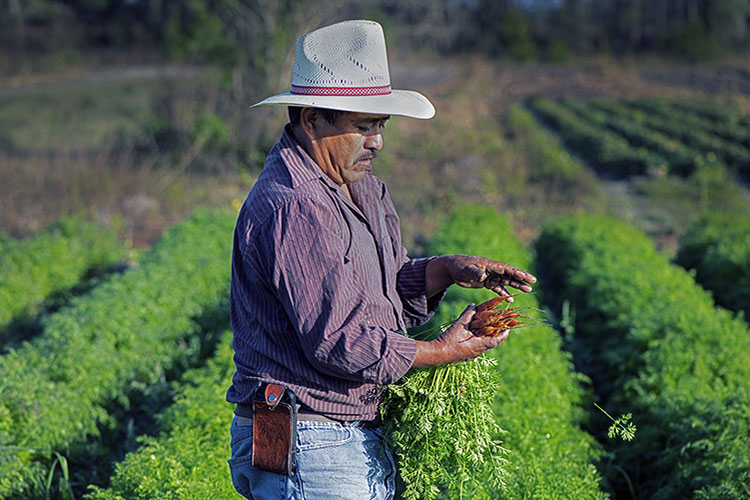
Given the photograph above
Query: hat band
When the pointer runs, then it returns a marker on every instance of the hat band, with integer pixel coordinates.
(341, 91)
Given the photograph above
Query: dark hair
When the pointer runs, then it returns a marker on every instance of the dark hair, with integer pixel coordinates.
(329, 115)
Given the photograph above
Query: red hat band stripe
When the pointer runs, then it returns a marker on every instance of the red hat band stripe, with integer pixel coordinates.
(341, 91)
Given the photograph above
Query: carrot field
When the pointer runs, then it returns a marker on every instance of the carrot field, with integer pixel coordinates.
(630, 205)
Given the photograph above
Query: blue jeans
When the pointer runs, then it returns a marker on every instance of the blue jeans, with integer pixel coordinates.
(333, 462)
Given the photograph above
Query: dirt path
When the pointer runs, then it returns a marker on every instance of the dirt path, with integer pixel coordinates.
(77, 80)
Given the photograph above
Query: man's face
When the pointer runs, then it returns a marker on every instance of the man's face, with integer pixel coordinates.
(346, 149)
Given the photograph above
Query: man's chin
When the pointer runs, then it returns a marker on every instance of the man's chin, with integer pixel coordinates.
(358, 175)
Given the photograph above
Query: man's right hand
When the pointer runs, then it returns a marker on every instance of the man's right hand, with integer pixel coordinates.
(456, 344)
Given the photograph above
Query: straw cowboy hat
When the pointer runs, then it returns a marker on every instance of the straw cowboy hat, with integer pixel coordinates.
(345, 67)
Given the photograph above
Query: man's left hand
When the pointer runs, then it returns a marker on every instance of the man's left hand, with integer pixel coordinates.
(478, 272)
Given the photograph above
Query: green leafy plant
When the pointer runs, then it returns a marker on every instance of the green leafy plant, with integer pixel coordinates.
(717, 247)
(621, 426)
(125, 333)
(607, 151)
(441, 425)
(187, 459)
(653, 343)
(52, 261)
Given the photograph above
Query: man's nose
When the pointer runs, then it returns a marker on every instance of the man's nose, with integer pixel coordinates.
(374, 141)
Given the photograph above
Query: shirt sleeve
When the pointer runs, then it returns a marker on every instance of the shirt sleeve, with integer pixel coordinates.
(307, 266)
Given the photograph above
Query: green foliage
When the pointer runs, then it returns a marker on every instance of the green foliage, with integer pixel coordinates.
(52, 261)
(651, 340)
(441, 426)
(550, 165)
(514, 36)
(707, 448)
(538, 401)
(695, 41)
(194, 30)
(710, 145)
(716, 111)
(211, 131)
(621, 426)
(680, 158)
(710, 116)
(607, 151)
(124, 334)
(717, 247)
(187, 460)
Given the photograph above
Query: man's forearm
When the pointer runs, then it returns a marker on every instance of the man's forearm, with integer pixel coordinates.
(437, 278)
(427, 355)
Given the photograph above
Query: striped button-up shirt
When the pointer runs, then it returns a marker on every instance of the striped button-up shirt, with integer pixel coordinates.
(322, 289)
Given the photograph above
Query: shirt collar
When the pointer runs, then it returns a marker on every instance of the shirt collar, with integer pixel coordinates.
(302, 168)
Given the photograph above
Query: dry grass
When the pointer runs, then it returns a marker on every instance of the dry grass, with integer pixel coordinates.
(131, 197)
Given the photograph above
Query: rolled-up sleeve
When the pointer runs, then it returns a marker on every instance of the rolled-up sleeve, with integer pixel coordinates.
(335, 312)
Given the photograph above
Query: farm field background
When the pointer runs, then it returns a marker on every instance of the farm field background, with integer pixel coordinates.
(113, 373)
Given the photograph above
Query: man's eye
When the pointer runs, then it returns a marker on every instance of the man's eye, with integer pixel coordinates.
(367, 128)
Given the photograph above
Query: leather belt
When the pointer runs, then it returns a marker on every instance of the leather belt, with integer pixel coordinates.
(308, 415)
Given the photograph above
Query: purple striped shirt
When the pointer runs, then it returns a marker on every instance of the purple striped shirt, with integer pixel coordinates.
(322, 288)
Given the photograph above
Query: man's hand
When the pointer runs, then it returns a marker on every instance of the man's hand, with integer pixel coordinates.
(475, 272)
(456, 344)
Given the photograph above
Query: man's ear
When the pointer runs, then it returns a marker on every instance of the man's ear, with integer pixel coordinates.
(309, 119)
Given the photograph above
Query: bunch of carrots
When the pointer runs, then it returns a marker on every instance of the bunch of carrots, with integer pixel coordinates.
(490, 321)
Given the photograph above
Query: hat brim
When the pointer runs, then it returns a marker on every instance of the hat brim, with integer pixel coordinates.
(398, 102)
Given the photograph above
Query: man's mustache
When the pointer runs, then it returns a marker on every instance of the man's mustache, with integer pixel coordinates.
(368, 156)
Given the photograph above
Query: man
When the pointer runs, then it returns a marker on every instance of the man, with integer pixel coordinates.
(322, 290)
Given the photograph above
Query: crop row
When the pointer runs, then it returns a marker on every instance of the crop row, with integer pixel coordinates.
(51, 261)
(680, 158)
(124, 334)
(549, 163)
(729, 130)
(608, 151)
(188, 459)
(717, 112)
(717, 247)
(733, 154)
(654, 343)
(540, 401)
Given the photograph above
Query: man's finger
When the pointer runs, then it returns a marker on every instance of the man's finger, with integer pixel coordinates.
(499, 286)
(502, 337)
(467, 314)
(502, 291)
(509, 272)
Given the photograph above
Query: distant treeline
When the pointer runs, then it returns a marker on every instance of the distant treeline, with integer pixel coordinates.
(257, 32)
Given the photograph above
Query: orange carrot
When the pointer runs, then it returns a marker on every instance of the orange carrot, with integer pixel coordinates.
(492, 303)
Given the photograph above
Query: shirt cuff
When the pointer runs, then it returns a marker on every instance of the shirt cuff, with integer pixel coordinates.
(397, 359)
